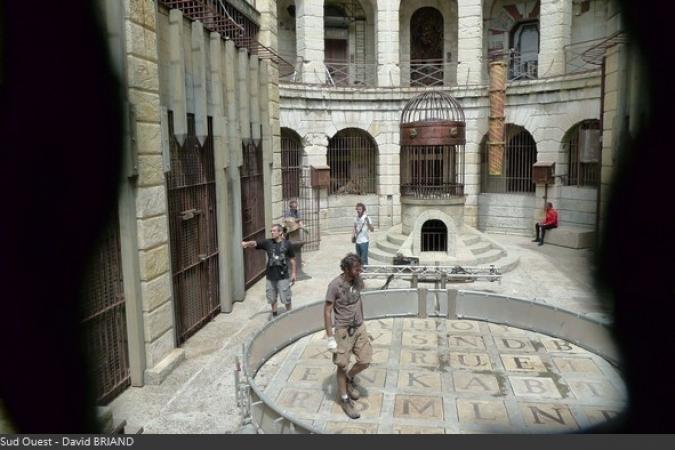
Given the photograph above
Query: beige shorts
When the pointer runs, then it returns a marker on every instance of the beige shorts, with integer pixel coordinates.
(359, 344)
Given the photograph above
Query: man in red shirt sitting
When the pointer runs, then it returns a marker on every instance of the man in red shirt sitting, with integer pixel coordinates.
(551, 221)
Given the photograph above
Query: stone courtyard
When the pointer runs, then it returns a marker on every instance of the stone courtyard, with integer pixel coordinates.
(199, 395)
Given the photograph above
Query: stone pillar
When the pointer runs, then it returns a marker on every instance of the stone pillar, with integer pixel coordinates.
(116, 27)
(199, 82)
(149, 194)
(555, 25)
(177, 75)
(244, 100)
(470, 42)
(267, 142)
(310, 44)
(221, 160)
(253, 95)
(233, 173)
(267, 35)
(388, 63)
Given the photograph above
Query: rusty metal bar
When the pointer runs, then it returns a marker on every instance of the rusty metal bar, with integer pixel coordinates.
(352, 157)
(194, 244)
(520, 154)
(104, 317)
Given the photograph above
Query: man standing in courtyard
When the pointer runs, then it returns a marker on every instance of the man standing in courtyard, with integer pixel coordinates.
(343, 300)
(279, 255)
(362, 224)
(293, 221)
(550, 221)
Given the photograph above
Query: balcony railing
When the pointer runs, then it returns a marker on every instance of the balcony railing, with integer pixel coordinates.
(435, 191)
(221, 16)
(523, 66)
(587, 55)
(427, 73)
(340, 73)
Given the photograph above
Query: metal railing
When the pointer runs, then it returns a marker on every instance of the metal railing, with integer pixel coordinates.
(263, 414)
(340, 73)
(574, 56)
(523, 66)
(428, 73)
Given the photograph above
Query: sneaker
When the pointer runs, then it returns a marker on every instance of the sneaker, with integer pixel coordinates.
(352, 390)
(349, 408)
(535, 240)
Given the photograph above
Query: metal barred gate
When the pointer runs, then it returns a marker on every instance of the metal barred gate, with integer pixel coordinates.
(296, 185)
(253, 211)
(192, 229)
(104, 317)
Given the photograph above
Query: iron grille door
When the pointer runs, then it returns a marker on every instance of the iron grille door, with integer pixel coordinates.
(297, 185)
(104, 317)
(192, 229)
(253, 211)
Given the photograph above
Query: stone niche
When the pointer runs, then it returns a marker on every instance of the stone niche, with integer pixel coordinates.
(412, 209)
(448, 215)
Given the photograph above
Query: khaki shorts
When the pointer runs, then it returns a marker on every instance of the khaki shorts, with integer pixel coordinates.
(359, 344)
(281, 287)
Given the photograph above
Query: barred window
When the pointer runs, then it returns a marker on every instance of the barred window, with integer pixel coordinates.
(434, 236)
(352, 157)
(291, 161)
(582, 143)
(519, 156)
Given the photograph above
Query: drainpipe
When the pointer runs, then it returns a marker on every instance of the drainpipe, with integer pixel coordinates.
(602, 128)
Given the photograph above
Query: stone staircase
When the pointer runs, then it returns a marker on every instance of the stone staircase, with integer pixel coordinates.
(483, 250)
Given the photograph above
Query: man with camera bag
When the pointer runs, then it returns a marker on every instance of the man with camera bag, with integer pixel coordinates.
(279, 254)
(344, 305)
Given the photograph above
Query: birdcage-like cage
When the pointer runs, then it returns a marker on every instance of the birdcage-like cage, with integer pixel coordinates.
(432, 147)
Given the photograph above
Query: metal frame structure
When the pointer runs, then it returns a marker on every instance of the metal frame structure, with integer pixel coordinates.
(433, 133)
(267, 417)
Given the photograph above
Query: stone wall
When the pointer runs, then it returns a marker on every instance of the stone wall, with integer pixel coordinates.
(506, 213)
(150, 194)
(546, 109)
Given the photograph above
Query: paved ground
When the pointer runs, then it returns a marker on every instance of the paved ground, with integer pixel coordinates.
(199, 397)
(449, 376)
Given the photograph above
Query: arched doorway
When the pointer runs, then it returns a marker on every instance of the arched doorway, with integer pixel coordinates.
(520, 154)
(434, 236)
(352, 157)
(296, 186)
(426, 47)
(583, 145)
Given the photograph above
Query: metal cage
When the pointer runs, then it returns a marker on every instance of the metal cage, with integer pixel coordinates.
(432, 147)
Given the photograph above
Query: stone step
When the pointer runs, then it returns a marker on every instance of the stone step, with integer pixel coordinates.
(489, 257)
(480, 247)
(387, 246)
(396, 238)
(471, 239)
(379, 256)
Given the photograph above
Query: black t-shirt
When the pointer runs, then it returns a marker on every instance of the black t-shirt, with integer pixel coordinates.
(278, 255)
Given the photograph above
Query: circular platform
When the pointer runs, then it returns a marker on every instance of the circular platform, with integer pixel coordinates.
(437, 375)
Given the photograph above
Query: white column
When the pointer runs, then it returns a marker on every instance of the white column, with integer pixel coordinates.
(555, 32)
(470, 42)
(310, 42)
(388, 64)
